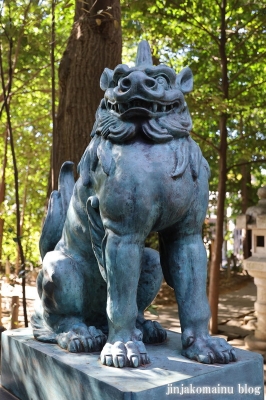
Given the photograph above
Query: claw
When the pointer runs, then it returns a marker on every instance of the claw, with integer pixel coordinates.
(61, 340)
(203, 359)
(163, 335)
(90, 344)
(134, 360)
(99, 341)
(221, 358)
(226, 357)
(109, 361)
(115, 362)
(121, 361)
(75, 346)
(119, 354)
(233, 355)
(144, 359)
(211, 357)
(84, 342)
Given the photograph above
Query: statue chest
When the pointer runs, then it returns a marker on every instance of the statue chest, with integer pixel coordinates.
(145, 180)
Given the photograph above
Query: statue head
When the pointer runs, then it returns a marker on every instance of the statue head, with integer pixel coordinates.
(144, 99)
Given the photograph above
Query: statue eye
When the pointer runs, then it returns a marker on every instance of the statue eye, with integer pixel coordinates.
(161, 80)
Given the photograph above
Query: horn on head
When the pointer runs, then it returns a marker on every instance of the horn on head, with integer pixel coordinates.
(144, 54)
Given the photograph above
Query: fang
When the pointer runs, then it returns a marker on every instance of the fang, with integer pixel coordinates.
(121, 108)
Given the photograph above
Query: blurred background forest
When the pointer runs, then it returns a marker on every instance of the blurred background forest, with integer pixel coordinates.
(223, 42)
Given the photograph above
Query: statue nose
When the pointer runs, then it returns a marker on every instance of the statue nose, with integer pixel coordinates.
(140, 81)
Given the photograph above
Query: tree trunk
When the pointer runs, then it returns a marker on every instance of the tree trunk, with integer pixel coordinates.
(219, 237)
(217, 254)
(95, 43)
(3, 192)
(15, 169)
(245, 198)
(245, 203)
(22, 215)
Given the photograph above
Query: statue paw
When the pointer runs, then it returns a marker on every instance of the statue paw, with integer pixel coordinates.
(208, 350)
(82, 339)
(129, 354)
(152, 331)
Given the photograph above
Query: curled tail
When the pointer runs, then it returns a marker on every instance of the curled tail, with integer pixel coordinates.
(50, 236)
(57, 209)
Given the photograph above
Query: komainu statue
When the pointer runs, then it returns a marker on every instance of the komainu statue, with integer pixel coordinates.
(141, 172)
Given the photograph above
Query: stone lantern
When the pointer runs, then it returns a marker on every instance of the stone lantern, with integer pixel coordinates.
(256, 266)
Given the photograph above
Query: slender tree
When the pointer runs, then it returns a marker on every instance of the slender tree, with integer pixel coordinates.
(7, 97)
(3, 190)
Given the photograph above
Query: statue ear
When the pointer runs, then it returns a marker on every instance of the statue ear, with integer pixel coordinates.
(185, 80)
(106, 78)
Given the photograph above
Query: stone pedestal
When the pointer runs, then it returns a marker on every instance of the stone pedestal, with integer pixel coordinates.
(36, 371)
(255, 221)
(257, 268)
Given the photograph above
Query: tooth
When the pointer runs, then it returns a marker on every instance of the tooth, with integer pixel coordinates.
(154, 107)
(163, 108)
(121, 108)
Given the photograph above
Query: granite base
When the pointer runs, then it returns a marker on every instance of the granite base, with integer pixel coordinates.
(32, 370)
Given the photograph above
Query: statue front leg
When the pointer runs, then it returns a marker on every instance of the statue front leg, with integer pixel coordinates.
(123, 255)
(185, 264)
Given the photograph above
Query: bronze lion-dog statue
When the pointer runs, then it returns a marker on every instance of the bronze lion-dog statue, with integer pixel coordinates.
(141, 172)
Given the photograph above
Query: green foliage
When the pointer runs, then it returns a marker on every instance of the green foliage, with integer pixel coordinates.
(180, 33)
(189, 33)
(27, 24)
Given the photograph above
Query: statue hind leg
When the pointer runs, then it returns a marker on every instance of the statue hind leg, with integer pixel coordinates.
(65, 311)
(62, 315)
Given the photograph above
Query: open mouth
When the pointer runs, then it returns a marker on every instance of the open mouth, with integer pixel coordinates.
(153, 107)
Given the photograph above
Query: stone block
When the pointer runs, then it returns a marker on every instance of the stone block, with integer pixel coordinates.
(241, 221)
(261, 221)
(33, 370)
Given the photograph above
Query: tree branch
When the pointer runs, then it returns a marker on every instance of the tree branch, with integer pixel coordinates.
(233, 7)
(244, 26)
(192, 17)
(15, 59)
(246, 88)
(262, 161)
(252, 61)
(205, 141)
